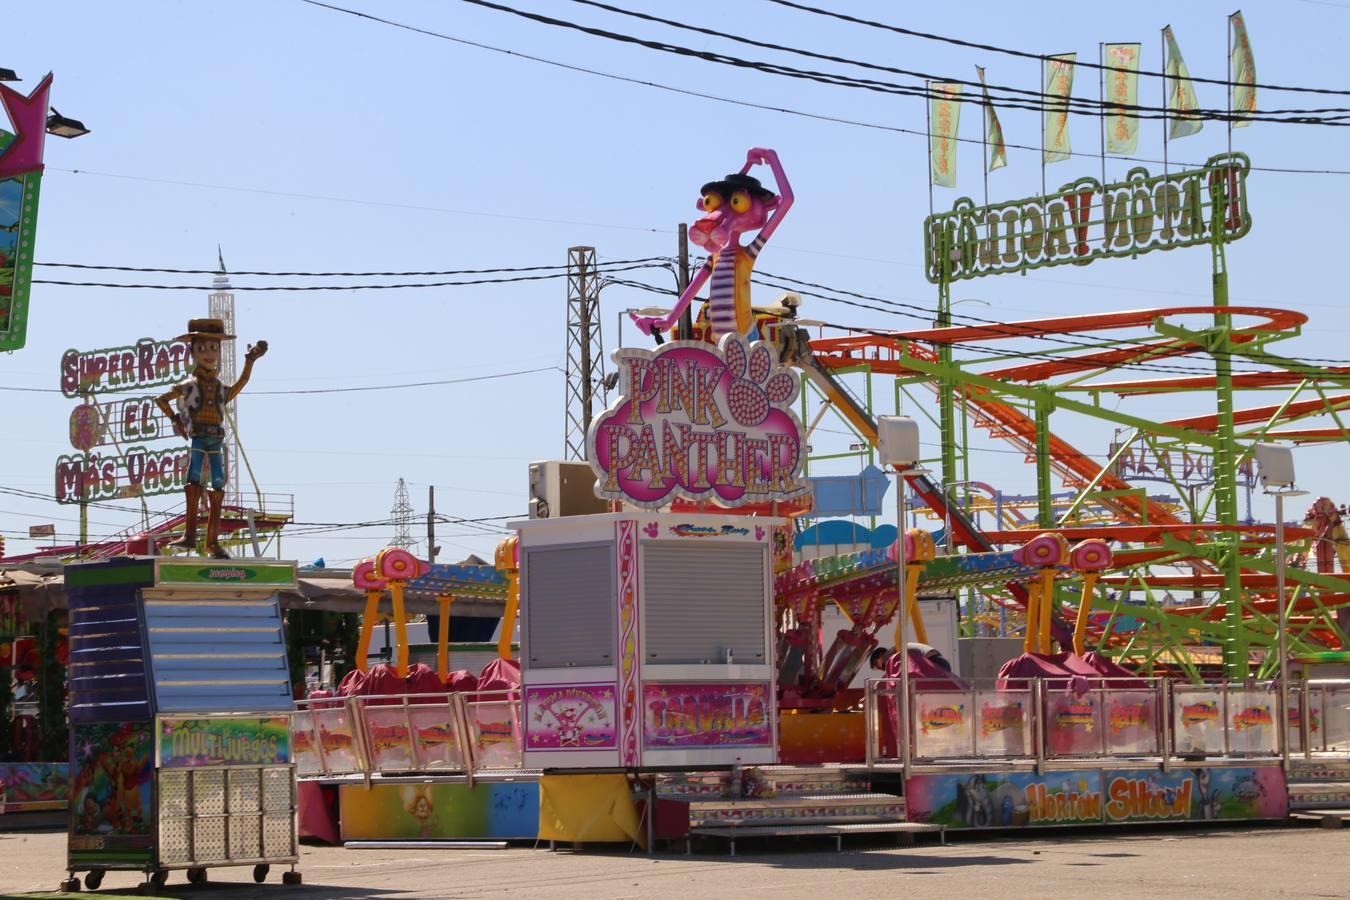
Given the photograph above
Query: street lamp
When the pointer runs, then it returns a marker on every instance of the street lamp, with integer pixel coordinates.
(60, 126)
(9, 75)
(898, 445)
(1275, 468)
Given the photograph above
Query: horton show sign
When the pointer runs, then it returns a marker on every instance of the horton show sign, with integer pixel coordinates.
(1087, 220)
(1097, 796)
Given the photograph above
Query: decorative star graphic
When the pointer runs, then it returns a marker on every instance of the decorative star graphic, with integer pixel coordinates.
(29, 118)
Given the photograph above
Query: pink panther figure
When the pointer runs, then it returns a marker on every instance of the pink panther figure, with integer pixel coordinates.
(734, 205)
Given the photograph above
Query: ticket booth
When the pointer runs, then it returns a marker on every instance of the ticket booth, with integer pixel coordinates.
(647, 640)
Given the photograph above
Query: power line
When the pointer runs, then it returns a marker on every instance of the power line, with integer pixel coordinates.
(1090, 107)
(839, 80)
(928, 314)
(731, 101)
(1008, 51)
(347, 390)
(503, 269)
(342, 287)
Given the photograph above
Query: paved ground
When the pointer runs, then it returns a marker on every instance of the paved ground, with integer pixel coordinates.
(1229, 863)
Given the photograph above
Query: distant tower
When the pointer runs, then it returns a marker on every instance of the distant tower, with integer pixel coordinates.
(585, 350)
(220, 305)
(402, 514)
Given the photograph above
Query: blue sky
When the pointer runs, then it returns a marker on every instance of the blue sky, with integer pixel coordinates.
(301, 139)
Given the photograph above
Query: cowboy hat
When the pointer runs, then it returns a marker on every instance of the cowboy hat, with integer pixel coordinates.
(208, 329)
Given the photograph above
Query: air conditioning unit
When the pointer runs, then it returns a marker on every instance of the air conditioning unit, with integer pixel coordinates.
(563, 488)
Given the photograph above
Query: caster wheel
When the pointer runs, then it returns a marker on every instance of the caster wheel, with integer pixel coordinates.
(260, 873)
(196, 876)
(93, 879)
(71, 885)
(291, 877)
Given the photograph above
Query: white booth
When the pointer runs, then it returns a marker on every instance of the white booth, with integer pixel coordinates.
(646, 640)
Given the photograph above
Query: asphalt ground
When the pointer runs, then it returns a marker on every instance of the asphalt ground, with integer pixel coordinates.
(1180, 861)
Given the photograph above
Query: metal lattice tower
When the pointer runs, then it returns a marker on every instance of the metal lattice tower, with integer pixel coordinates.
(402, 514)
(220, 305)
(585, 349)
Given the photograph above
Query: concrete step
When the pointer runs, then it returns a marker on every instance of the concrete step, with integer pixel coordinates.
(838, 831)
(807, 809)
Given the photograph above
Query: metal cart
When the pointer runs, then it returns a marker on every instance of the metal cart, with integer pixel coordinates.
(180, 704)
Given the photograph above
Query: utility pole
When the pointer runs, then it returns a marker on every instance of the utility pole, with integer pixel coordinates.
(585, 357)
(682, 277)
(431, 525)
(402, 515)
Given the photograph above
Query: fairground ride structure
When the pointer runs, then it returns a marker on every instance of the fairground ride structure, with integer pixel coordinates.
(1224, 562)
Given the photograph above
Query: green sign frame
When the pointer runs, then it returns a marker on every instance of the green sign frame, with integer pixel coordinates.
(1085, 221)
(224, 573)
(18, 233)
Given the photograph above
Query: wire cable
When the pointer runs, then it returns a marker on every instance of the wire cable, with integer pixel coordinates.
(1091, 107)
(513, 279)
(992, 48)
(840, 80)
(636, 263)
(685, 92)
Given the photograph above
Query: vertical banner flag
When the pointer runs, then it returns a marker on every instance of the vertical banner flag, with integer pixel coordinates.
(944, 113)
(998, 150)
(1058, 87)
(1181, 102)
(1122, 87)
(1242, 73)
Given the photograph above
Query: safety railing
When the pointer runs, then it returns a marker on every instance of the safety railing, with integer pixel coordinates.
(1043, 720)
(412, 734)
(1319, 717)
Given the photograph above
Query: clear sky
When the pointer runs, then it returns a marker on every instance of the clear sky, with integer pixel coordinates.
(301, 139)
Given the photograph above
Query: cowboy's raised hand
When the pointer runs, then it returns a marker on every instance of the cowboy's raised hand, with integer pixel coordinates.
(255, 350)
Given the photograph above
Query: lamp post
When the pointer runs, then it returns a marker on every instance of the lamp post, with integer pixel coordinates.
(1275, 467)
(898, 444)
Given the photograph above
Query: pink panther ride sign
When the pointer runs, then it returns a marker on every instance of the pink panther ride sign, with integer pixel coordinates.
(702, 423)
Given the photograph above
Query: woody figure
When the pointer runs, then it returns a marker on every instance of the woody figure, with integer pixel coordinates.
(202, 398)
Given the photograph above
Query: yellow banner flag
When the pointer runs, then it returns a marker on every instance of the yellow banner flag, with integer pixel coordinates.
(998, 150)
(944, 115)
(1242, 73)
(1122, 87)
(1058, 87)
(1181, 102)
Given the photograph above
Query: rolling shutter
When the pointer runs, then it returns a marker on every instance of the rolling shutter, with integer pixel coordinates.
(569, 606)
(701, 601)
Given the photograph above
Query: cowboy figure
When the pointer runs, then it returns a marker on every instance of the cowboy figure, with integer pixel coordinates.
(203, 398)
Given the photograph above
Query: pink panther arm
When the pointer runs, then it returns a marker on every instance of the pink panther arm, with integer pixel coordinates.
(757, 155)
(646, 324)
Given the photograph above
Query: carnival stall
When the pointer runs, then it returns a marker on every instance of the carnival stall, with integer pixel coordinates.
(180, 704)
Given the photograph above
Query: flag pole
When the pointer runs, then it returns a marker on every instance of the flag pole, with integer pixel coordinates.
(984, 137)
(1101, 103)
(1044, 91)
(1229, 29)
(928, 129)
(1162, 37)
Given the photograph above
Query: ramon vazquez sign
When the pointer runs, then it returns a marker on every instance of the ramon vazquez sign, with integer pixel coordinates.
(700, 422)
(1086, 220)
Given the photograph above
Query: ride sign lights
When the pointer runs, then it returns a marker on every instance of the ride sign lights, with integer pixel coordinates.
(1086, 220)
(126, 423)
(702, 423)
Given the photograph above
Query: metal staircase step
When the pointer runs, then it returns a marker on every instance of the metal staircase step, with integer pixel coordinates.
(838, 831)
(808, 808)
(1307, 794)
